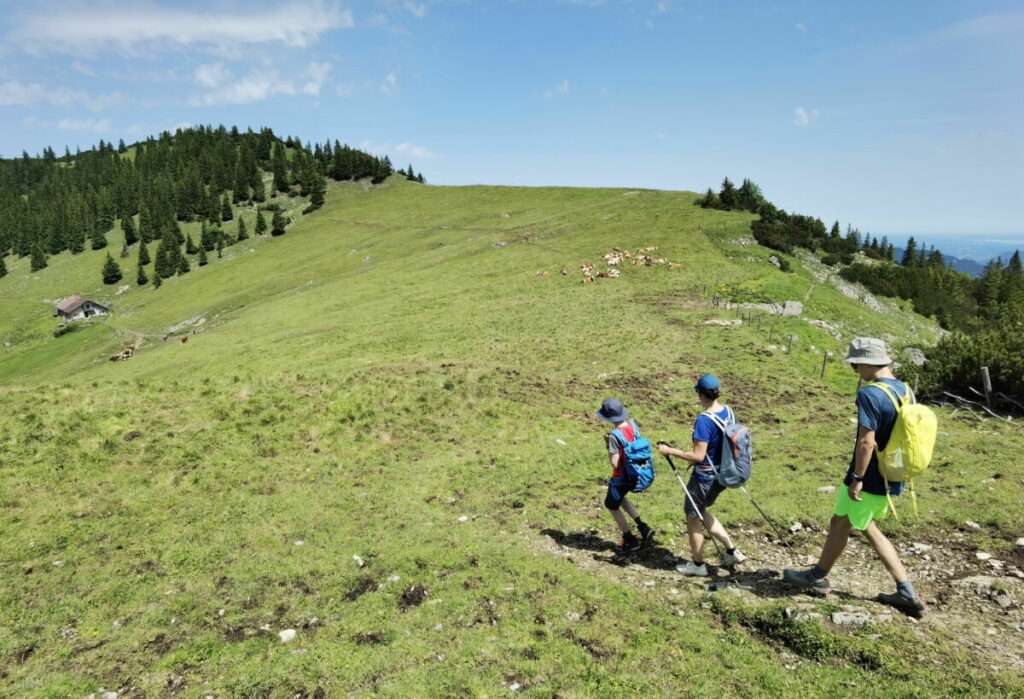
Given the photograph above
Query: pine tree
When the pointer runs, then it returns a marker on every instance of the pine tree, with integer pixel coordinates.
(727, 195)
(190, 246)
(124, 251)
(242, 235)
(183, 266)
(38, 258)
(834, 233)
(157, 279)
(3, 267)
(143, 255)
(278, 224)
(317, 192)
(220, 246)
(259, 192)
(225, 209)
(203, 260)
(709, 200)
(261, 223)
(99, 240)
(141, 279)
(279, 166)
(128, 226)
(910, 253)
(111, 271)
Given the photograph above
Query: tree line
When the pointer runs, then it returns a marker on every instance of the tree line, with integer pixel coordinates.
(50, 204)
(985, 315)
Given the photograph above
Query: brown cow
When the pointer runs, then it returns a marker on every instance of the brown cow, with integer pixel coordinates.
(184, 339)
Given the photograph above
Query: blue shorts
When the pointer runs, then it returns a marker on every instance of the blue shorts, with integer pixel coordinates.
(703, 493)
(618, 489)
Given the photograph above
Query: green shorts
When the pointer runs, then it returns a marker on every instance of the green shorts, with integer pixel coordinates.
(861, 513)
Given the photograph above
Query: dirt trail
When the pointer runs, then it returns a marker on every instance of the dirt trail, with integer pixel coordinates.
(972, 602)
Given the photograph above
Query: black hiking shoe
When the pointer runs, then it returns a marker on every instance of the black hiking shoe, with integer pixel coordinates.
(629, 544)
(804, 580)
(646, 534)
(911, 606)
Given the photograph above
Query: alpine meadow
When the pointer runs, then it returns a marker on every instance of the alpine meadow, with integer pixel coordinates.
(360, 457)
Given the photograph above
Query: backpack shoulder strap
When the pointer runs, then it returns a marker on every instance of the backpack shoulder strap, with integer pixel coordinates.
(717, 420)
(622, 437)
(889, 391)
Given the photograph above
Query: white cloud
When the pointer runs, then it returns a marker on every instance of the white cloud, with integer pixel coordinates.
(390, 83)
(800, 27)
(133, 29)
(82, 68)
(414, 151)
(803, 117)
(317, 75)
(212, 74)
(416, 9)
(92, 125)
(346, 90)
(18, 94)
(561, 89)
(254, 87)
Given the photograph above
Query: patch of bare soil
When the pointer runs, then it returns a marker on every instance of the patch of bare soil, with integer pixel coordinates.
(975, 602)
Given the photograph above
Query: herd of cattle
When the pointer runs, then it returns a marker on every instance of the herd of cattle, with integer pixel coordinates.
(616, 257)
(129, 351)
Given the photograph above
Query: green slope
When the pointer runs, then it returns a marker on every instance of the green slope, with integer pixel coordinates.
(396, 363)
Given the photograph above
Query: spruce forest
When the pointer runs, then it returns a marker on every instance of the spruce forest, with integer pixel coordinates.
(985, 315)
(50, 205)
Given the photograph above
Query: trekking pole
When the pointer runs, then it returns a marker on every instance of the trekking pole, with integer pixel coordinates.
(692, 502)
(782, 539)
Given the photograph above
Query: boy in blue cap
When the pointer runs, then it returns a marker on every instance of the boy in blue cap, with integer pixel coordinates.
(613, 411)
(702, 487)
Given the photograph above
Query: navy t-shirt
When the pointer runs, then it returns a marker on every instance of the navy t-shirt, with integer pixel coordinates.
(705, 430)
(876, 412)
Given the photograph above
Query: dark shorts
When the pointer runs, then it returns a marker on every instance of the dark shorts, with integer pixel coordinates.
(618, 489)
(703, 493)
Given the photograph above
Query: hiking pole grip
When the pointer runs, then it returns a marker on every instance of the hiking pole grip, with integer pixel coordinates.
(669, 458)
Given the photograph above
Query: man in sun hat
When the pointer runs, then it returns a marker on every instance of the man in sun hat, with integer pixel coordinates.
(862, 499)
(612, 410)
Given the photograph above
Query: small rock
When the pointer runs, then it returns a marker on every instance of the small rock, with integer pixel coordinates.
(806, 616)
(827, 489)
(438, 627)
(560, 442)
(883, 618)
(795, 527)
(919, 548)
(514, 687)
(1020, 543)
(286, 636)
(850, 618)
(463, 518)
(450, 501)
(300, 543)
(58, 564)
(972, 525)
(393, 578)
(982, 556)
(572, 616)
(1004, 600)
(359, 561)
(991, 631)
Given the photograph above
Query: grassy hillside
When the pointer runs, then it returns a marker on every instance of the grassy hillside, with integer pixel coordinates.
(380, 434)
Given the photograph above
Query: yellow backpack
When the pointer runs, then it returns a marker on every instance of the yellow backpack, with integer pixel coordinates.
(910, 447)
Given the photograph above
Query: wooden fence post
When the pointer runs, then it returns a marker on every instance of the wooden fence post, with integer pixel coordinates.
(824, 360)
(986, 382)
(790, 349)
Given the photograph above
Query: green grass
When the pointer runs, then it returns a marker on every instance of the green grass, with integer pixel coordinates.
(390, 365)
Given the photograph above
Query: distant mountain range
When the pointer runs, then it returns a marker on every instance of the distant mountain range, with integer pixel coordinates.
(965, 253)
(960, 264)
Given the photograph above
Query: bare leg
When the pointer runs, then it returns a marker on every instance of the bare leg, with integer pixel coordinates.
(696, 536)
(835, 543)
(717, 530)
(886, 552)
(628, 507)
(620, 520)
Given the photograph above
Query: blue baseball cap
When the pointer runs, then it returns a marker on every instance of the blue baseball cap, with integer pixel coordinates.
(613, 410)
(707, 383)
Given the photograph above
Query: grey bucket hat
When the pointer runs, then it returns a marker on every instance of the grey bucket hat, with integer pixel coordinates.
(867, 350)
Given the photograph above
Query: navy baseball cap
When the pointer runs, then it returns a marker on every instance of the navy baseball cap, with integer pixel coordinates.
(613, 410)
(707, 383)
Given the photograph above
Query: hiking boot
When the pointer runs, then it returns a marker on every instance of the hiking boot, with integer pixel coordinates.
(732, 559)
(646, 534)
(629, 543)
(912, 606)
(804, 579)
(691, 568)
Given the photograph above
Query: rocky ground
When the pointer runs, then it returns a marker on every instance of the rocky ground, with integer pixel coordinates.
(974, 598)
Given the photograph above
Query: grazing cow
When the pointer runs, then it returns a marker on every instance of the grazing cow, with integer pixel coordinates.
(587, 268)
(586, 279)
(564, 271)
(542, 273)
(184, 339)
(674, 265)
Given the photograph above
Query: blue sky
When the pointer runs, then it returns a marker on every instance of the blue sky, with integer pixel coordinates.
(897, 117)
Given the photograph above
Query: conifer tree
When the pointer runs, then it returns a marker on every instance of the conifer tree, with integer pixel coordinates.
(242, 235)
(220, 246)
(910, 253)
(203, 260)
(143, 254)
(190, 247)
(727, 195)
(278, 224)
(111, 271)
(279, 166)
(38, 258)
(261, 223)
(124, 251)
(128, 226)
(259, 192)
(3, 267)
(99, 240)
(225, 209)
(140, 278)
(183, 266)
(157, 279)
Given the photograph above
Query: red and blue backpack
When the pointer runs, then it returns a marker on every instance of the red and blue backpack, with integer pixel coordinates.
(639, 463)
